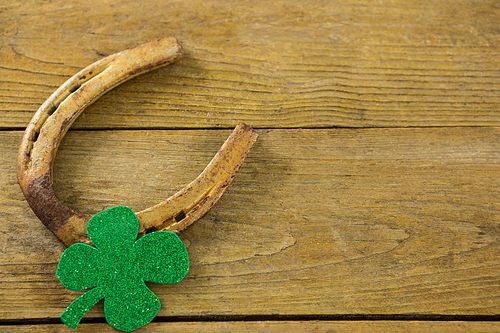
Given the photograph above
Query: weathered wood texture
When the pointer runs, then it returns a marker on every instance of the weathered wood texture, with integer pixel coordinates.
(333, 221)
(279, 63)
(318, 221)
(279, 327)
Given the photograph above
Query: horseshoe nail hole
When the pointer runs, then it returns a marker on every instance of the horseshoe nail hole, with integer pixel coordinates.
(74, 88)
(35, 136)
(51, 111)
(29, 148)
(181, 216)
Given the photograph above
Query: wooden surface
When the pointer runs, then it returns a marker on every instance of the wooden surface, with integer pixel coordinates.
(269, 63)
(278, 327)
(372, 192)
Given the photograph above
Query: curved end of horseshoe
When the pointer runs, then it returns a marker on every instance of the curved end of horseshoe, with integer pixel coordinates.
(192, 202)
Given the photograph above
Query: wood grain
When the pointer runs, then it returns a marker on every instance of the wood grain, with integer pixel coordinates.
(353, 63)
(396, 215)
(338, 221)
(279, 327)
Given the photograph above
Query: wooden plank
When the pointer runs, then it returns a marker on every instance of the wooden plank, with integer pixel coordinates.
(371, 221)
(273, 64)
(279, 327)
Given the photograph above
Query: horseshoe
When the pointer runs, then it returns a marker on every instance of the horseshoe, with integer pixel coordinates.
(53, 119)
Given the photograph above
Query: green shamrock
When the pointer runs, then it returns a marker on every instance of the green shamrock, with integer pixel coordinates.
(118, 267)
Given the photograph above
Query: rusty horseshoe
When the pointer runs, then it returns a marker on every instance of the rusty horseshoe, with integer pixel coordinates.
(53, 119)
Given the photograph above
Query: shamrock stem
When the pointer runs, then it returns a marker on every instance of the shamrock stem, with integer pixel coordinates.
(80, 306)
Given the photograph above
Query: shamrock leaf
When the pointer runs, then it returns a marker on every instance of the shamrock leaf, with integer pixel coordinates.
(117, 268)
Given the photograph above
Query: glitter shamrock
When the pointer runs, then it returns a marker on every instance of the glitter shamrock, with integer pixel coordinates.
(118, 268)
